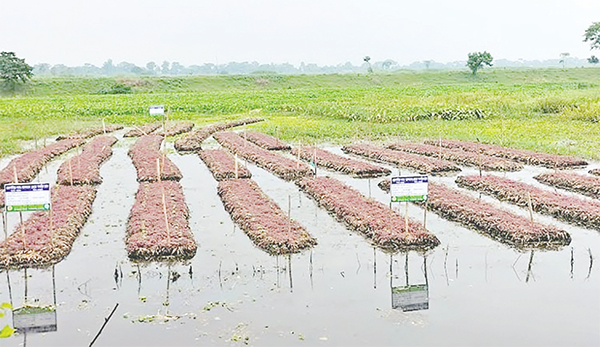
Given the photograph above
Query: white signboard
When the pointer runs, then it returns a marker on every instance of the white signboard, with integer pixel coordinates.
(157, 110)
(27, 197)
(409, 188)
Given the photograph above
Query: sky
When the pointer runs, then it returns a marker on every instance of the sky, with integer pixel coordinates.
(324, 32)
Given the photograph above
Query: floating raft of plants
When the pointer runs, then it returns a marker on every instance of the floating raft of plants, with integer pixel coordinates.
(223, 165)
(158, 225)
(339, 163)
(145, 153)
(261, 219)
(499, 224)
(417, 162)
(29, 164)
(586, 185)
(177, 128)
(265, 141)
(527, 157)
(143, 130)
(383, 226)
(458, 155)
(193, 140)
(87, 133)
(595, 172)
(85, 167)
(46, 238)
(288, 169)
(561, 206)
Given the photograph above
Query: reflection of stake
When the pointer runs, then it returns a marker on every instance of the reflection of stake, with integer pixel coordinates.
(572, 261)
(374, 268)
(529, 267)
(290, 271)
(591, 263)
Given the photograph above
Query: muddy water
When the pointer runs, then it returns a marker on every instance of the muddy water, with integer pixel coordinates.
(478, 291)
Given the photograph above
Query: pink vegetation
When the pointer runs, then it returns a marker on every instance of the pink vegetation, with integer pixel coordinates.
(338, 163)
(222, 164)
(158, 223)
(283, 167)
(145, 153)
(417, 162)
(561, 206)
(142, 130)
(265, 141)
(520, 155)
(44, 241)
(85, 168)
(383, 226)
(261, 219)
(193, 141)
(586, 185)
(178, 128)
(458, 155)
(87, 133)
(28, 165)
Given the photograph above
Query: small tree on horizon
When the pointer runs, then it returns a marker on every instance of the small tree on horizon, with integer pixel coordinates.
(367, 60)
(13, 70)
(593, 60)
(478, 59)
(563, 58)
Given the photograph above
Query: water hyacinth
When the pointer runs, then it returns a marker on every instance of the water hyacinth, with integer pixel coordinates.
(586, 185)
(85, 167)
(158, 226)
(527, 157)
(288, 169)
(87, 133)
(568, 208)
(41, 240)
(458, 155)
(143, 130)
(339, 163)
(29, 164)
(222, 164)
(145, 153)
(417, 162)
(265, 141)
(499, 224)
(177, 128)
(261, 219)
(380, 224)
(193, 140)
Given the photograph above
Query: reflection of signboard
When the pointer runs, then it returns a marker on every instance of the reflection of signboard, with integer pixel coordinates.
(411, 298)
(27, 197)
(409, 188)
(33, 319)
(158, 110)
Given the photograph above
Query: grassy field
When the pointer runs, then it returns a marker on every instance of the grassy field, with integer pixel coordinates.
(548, 110)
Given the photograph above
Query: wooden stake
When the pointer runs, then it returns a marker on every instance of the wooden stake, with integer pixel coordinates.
(406, 218)
(158, 175)
(425, 216)
(315, 160)
(15, 174)
(530, 206)
(103, 126)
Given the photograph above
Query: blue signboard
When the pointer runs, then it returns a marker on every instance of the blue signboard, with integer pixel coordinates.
(20, 197)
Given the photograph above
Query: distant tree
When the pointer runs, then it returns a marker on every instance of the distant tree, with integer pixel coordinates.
(164, 68)
(563, 58)
(593, 60)
(367, 60)
(13, 71)
(108, 68)
(427, 63)
(388, 64)
(151, 67)
(592, 34)
(478, 59)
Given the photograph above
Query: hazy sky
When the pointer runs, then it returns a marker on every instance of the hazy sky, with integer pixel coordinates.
(311, 31)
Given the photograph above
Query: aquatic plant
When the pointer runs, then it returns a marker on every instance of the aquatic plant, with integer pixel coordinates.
(177, 128)
(87, 133)
(223, 165)
(193, 140)
(587, 185)
(143, 130)
(265, 141)
(85, 167)
(145, 154)
(339, 163)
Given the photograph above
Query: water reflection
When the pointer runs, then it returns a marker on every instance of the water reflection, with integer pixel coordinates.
(409, 297)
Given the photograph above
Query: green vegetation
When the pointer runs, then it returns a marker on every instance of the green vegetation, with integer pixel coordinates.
(549, 110)
(478, 59)
(13, 71)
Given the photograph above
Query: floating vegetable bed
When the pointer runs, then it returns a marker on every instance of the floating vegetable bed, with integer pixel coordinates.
(595, 172)
(417, 162)
(383, 226)
(561, 206)
(586, 185)
(458, 155)
(288, 169)
(158, 225)
(87, 133)
(177, 128)
(145, 154)
(46, 238)
(223, 165)
(261, 219)
(85, 167)
(499, 224)
(339, 163)
(143, 130)
(520, 155)
(265, 141)
(193, 141)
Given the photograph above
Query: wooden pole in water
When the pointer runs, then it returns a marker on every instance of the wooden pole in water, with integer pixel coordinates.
(406, 218)
(425, 215)
(162, 188)
(530, 206)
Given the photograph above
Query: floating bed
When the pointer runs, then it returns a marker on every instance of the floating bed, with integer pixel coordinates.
(527, 157)
(261, 219)
(143, 130)
(85, 167)
(416, 162)
(193, 141)
(265, 141)
(288, 169)
(145, 153)
(586, 185)
(87, 133)
(380, 224)
(177, 128)
(339, 163)
(570, 209)
(222, 165)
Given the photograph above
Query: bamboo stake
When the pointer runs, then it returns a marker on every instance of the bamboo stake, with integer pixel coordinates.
(164, 201)
(406, 218)
(103, 126)
(530, 206)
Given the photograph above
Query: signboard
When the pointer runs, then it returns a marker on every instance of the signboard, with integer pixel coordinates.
(32, 319)
(410, 298)
(157, 110)
(27, 197)
(409, 188)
